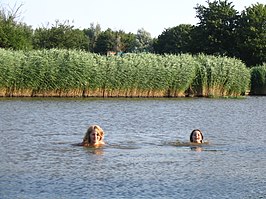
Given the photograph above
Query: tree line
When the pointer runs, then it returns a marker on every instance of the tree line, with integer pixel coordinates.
(221, 30)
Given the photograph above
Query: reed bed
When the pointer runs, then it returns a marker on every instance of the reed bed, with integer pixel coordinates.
(64, 73)
(258, 80)
(220, 76)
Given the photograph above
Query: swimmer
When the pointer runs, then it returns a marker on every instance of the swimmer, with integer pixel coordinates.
(93, 137)
(196, 136)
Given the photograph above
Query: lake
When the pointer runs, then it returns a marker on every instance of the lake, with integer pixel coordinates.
(141, 158)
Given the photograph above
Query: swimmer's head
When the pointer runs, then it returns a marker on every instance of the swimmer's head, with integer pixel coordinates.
(94, 135)
(196, 136)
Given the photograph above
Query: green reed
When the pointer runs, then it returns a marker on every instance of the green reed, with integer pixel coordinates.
(220, 76)
(77, 73)
(258, 80)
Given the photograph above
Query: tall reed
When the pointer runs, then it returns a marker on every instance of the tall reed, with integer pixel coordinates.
(220, 76)
(76, 73)
(258, 80)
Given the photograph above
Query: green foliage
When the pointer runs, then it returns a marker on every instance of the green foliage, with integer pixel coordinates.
(258, 80)
(220, 76)
(105, 42)
(221, 31)
(252, 35)
(14, 34)
(10, 63)
(92, 34)
(60, 35)
(174, 40)
(144, 41)
(128, 42)
(77, 73)
(115, 41)
(215, 33)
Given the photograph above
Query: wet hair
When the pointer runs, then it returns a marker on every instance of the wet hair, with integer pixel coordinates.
(191, 134)
(91, 129)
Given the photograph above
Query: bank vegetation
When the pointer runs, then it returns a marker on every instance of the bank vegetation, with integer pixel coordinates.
(73, 73)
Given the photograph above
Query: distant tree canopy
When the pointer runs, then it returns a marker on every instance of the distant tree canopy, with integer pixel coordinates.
(144, 41)
(106, 42)
(13, 34)
(251, 35)
(216, 29)
(60, 35)
(92, 34)
(221, 30)
(174, 40)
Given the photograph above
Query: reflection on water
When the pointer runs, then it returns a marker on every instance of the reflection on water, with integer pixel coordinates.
(96, 151)
(142, 158)
(205, 146)
(196, 148)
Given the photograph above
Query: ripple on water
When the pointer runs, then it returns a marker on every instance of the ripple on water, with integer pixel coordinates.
(140, 160)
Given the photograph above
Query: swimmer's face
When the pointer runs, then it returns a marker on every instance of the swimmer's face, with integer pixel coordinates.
(196, 137)
(95, 137)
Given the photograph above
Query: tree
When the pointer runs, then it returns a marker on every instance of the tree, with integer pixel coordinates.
(215, 33)
(144, 41)
(115, 41)
(125, 42)
(60, 35)
(13, 33)
(251, 33)
(128, 42)
(92, 33)
(174, 40)
(106, 41)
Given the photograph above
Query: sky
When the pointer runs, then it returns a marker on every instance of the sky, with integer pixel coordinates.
(154, 16)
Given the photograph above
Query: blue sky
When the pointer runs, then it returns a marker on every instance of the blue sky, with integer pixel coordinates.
(129, 15)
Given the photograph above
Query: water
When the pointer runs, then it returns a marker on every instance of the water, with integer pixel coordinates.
(141, 159)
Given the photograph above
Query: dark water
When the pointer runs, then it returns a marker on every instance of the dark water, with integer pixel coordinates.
(141, 159)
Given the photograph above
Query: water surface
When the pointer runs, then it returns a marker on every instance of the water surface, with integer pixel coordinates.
(141, 159)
